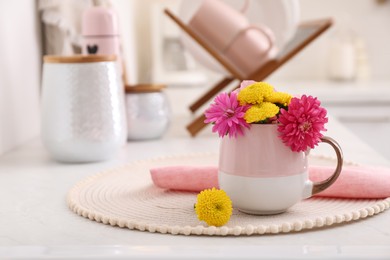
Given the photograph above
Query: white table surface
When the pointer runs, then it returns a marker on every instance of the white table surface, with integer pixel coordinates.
(36, 223)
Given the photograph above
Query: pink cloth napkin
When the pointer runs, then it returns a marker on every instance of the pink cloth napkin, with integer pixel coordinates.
(353, 182)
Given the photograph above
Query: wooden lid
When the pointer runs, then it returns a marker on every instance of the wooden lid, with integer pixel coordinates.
(78, 58)
(144, 88)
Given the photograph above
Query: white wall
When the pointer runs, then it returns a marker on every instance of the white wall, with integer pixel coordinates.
(126, 10)
(19, 73)
(367, 18)
(143, 12)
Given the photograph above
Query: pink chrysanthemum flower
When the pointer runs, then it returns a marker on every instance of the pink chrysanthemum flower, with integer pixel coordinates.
(300, 126)
(227, 115)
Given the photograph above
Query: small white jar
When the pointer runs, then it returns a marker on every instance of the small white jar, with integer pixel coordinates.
(148, 111)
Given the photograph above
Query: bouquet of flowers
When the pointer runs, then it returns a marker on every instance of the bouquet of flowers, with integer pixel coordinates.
(299, 120)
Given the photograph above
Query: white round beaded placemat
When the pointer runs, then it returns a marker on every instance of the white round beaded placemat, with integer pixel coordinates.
(126, 197)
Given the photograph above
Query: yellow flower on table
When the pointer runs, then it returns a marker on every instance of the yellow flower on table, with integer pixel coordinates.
(214, 207)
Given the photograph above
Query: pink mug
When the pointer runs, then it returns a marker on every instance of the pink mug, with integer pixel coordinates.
(250, 49)
(263, 176)
(228, 31)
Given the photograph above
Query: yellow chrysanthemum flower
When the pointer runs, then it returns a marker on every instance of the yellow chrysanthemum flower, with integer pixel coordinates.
(214, 207)
(281, 98)
(261, 112)
(255, 93)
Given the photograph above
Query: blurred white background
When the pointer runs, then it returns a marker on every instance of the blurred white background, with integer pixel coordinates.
(367, 22)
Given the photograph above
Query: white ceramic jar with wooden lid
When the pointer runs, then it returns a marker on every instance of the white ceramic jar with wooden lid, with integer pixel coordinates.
(83, 112)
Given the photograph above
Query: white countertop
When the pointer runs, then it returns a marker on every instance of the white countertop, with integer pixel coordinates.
(36, 223)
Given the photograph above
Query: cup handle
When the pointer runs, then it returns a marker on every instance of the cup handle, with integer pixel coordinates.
(322, 185)
(267, 33)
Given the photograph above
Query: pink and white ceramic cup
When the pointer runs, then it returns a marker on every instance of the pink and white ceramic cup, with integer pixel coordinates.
(263, 176)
